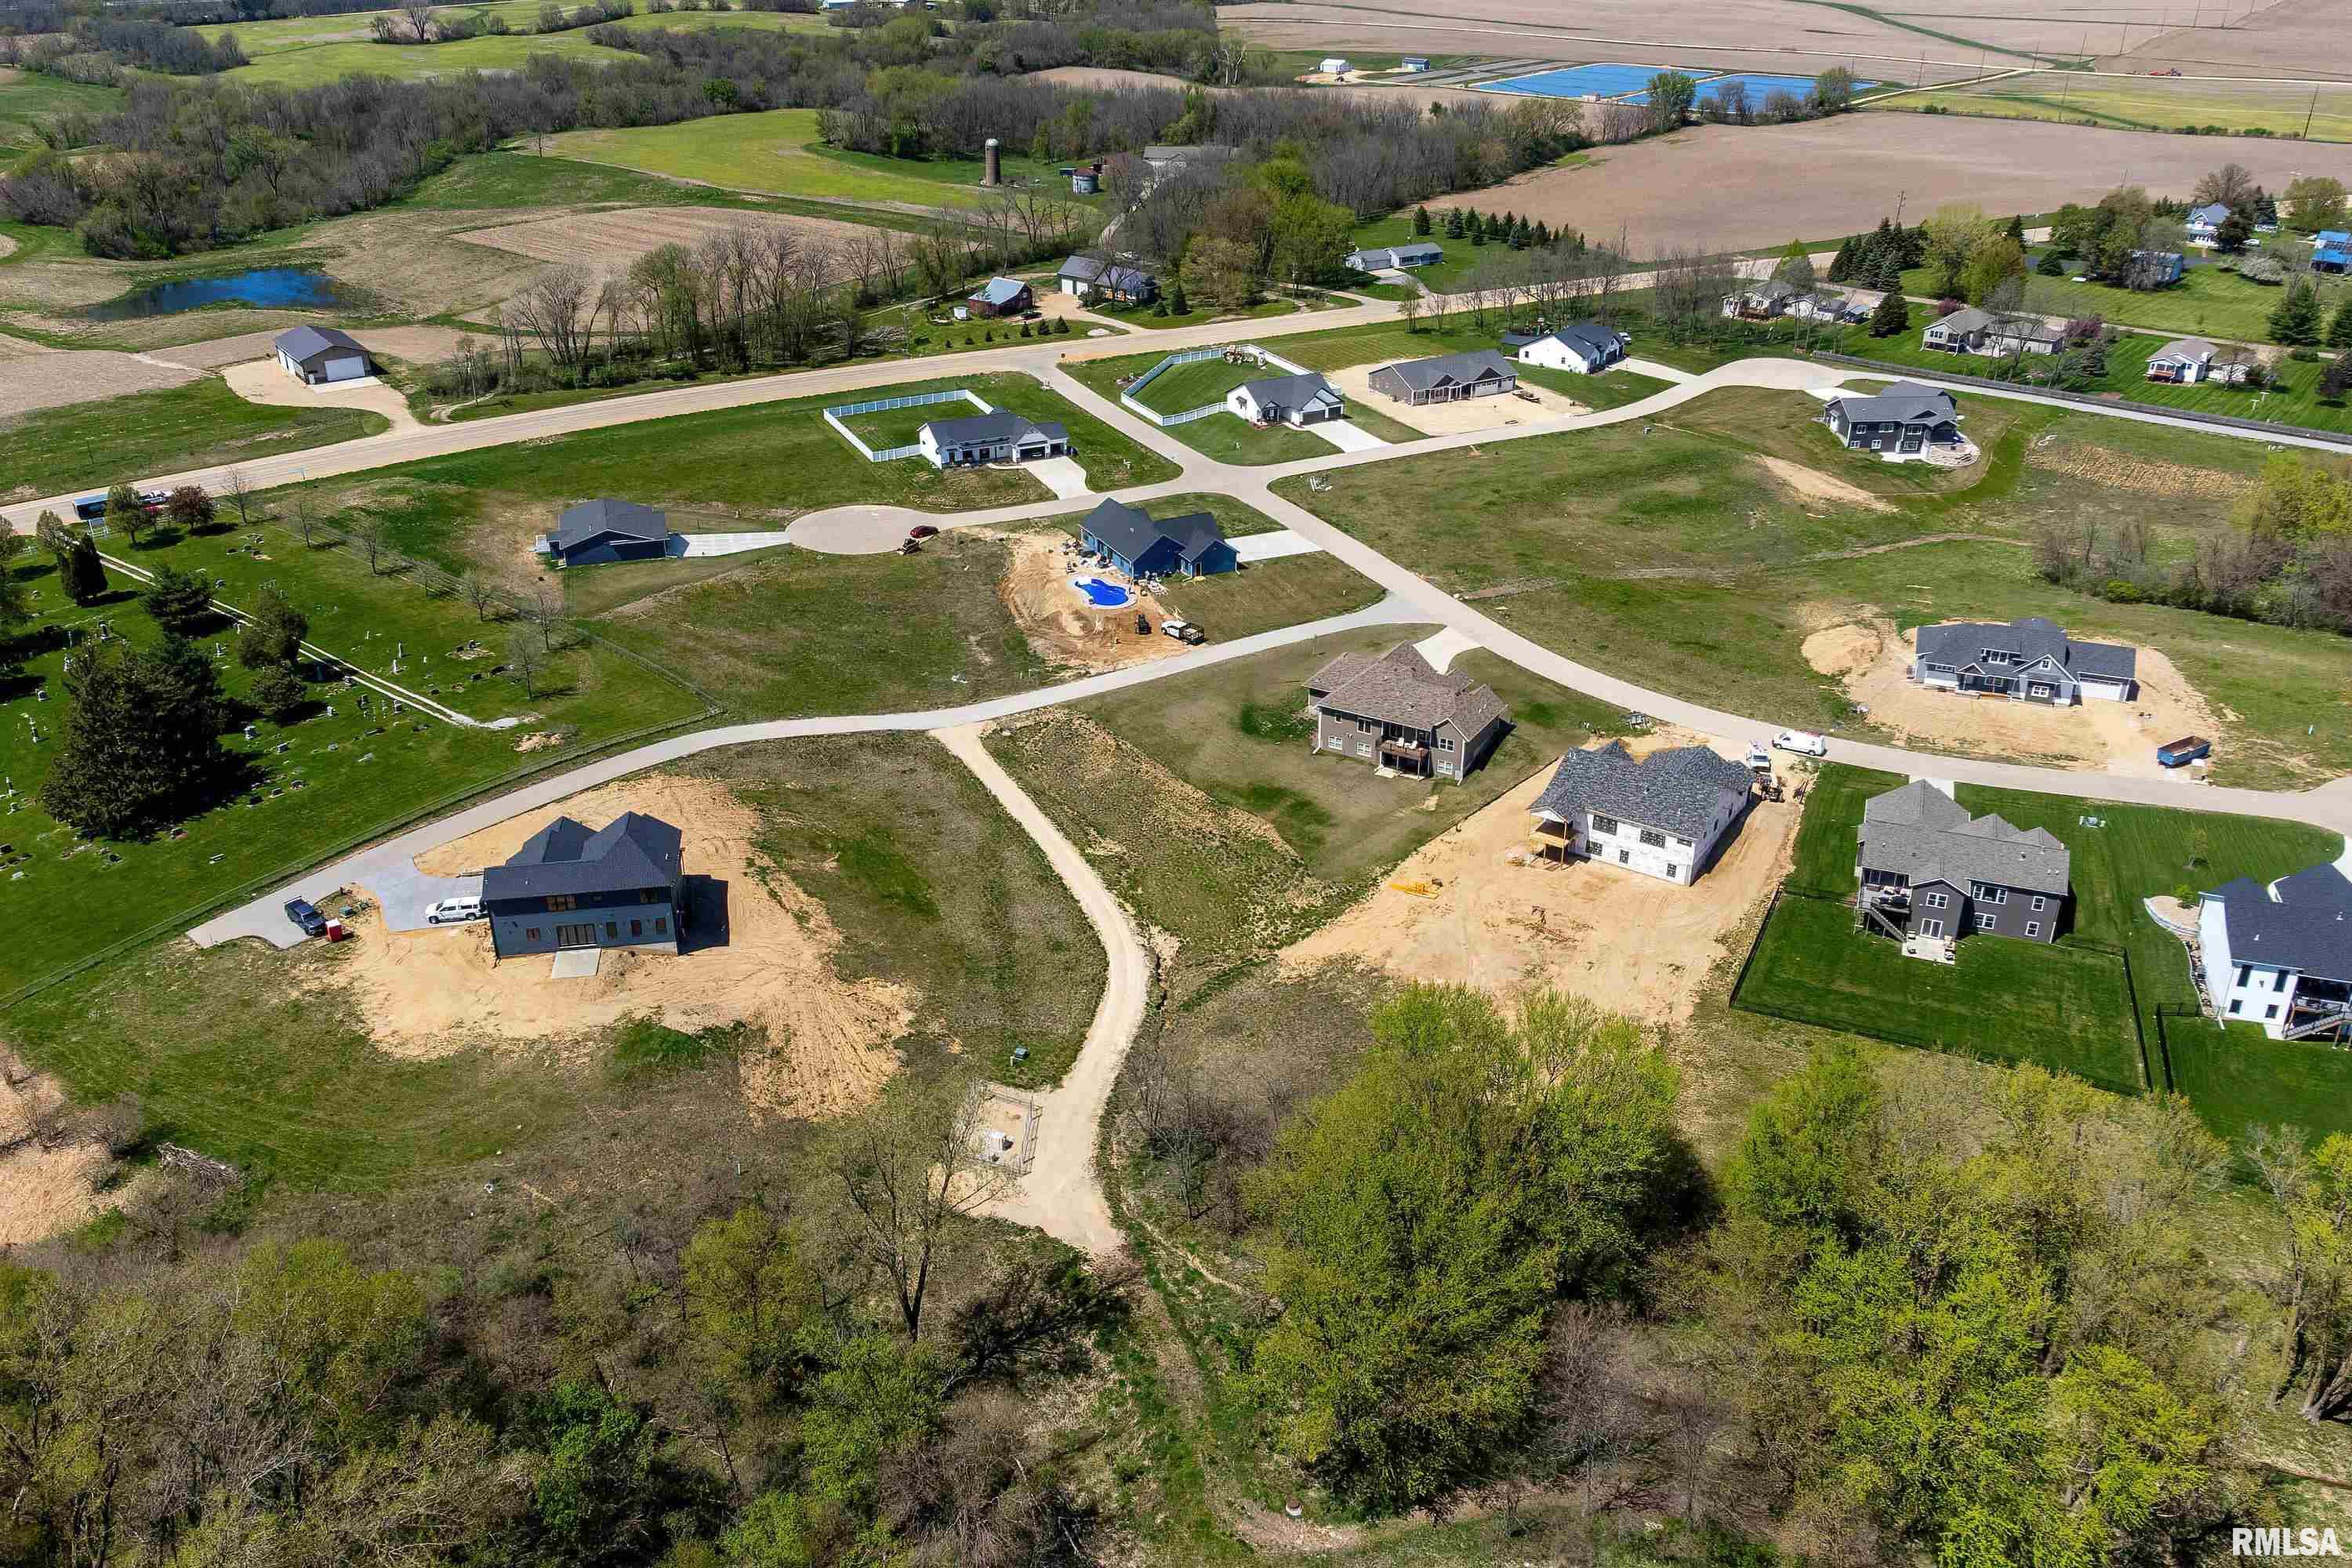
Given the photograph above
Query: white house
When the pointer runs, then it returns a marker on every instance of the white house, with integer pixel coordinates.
(315, 355)
(1584, 347)
(2186, 361)
(2281, 956)
(1302, 399)
(1000, 435)
(2203, 223)
(1661, 815)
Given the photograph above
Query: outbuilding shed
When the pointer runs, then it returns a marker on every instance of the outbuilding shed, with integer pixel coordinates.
(315, 355)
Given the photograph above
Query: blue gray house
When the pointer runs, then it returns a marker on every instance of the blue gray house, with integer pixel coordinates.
(1187, 546)
(2332, 251)
(568, 887)
(604, 530)
(1002, 297)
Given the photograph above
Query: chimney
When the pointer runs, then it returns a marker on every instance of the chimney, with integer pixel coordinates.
(993, 164)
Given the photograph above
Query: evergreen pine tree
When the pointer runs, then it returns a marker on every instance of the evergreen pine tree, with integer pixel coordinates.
(1478, 229)
(1892, 318)
(2296, 320)
(1176, 306)
(1842, 264)
(141, 741)
(1543, 234)
(85, 574)
(2339, 331)
(1890, 277)
(2336, 377)
(2016, 231)
(1421, 223)
(1453, 224)
(180, 602)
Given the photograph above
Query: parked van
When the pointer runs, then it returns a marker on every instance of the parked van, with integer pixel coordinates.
(450, 911)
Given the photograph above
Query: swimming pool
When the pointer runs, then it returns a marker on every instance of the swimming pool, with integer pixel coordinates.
(1606, 80)
(1103, 596)
(1759, 87)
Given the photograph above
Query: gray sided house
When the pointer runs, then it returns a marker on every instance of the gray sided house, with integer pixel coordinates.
(1969, 331)
(601, 531)
(1661, 816)
(1961, 332)
(2281, 956)
(1187, 546)
(1447, 378)
(1395, 711)
(1929, 868)
(2032, 661)
(1389, 257)
(316, 355)
(1098, 278)
(1903, 421)
(570, 887)
(996, 437)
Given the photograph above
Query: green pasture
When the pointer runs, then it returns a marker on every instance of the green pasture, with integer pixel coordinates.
(2209, 300)
(2149, 103)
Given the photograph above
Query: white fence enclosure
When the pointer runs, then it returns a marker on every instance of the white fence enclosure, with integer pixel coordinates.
(833, 416)
(1262, 356)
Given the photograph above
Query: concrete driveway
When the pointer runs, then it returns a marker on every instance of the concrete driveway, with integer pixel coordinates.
(260, 381)
(1348, 436)
(1062, 476)
(399, 889)
(1272, 546)
(691, 546)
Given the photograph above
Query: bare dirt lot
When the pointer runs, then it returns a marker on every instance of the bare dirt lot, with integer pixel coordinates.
(1874, 661)
(1059, 623)
(45, 1183)
(261, 381)
(761, 952)
(1811, 485)
(1453, 418)
(1458, 909)
(1763, 183)
(612, 240)
(49, 380)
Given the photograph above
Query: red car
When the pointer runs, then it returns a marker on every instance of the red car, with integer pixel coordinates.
(922, 530)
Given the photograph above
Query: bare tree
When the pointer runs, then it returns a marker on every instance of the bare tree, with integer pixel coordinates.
(300, 516)
(557, 309)
(239, 491)
(479, 591)
(368, 533)
(911, 1169)
(545, 611)
(420, 21)
(524, 662)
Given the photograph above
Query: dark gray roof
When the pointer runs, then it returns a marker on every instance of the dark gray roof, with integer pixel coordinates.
(1131, 531)
(1593, 339)
(1373, 255)
(2195, 350)
(1962, 643)
(1905, 403)
(1967, 318)
(604, 515)
(1421, 374)
(1097, 270)
(1923, 833)
(302, 344)
(1000, 291)
(633, 851)
(1291, 391)
(1677, 790)
(1400, 686)
(998, 425)
(2303, 922)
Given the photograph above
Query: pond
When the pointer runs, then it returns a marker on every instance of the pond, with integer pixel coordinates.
(263, 287)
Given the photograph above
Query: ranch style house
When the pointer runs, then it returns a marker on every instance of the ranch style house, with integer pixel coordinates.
(1662, 815)
(1187, 546)
(2188, 361)
(1969, 331)
(599, 531)
(1900, 424)
(1304, 399)
(1447, 378)
(1396, 711)
(1390, 258)
(2281, 956)
(1929, 868)
(2332, 251)
(317, 355)
(568, 887)
(998, 436)
(2030, 660)
(1585, 348)
(1098, 278)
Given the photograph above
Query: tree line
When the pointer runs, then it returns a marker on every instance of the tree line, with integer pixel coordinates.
(98, 49)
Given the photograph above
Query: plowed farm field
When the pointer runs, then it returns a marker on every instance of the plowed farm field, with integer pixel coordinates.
(614, 239)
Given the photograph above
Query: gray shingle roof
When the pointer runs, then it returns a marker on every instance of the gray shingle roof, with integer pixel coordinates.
(1291, 391)
(2308, 926)
(1421, 374)
(605, 515)
(1591, 339)
(302, 344)
(996, 425)
(1415, 252)
(633, 851)
(2195, 350)
(1963, 643)
(1111, 274)
(1677, 790)
(1921, 833)
(2211, 211)
(1905, 403)
(1164, 152)
(1131, 531)
(1966, 319)
(1000, 291)
(1400, 687)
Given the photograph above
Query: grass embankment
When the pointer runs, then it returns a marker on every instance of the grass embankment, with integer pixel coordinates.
(1673, 559)
(340, 776)
(2149, 103)
(27, 97)
(165, 431)
(260, 1057)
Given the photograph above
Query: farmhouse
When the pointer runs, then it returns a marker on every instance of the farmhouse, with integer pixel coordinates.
(1447, 378)
(1661, 816)
(1002, 297)
(2281, 956)
(1303, 399)
(2332, 251)
(1900, 424)
(2032, 661)
(1098, 278)
(1584, 347)
(315, 355)
(1381, 259)
(1187, 546)
(568, 887)
(2203, 223)
(601, 531)
(1929, 868)
(996, 437)
(1396, 711)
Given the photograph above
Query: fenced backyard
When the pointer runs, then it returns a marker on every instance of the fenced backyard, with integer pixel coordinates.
(897, 435)
(1196, 381)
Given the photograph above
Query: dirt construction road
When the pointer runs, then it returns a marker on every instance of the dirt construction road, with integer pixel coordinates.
(1060, 1196)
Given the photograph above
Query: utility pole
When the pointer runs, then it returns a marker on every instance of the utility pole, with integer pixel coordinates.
(2309, 112)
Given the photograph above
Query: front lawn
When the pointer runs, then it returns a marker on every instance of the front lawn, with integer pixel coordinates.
(2209, 301)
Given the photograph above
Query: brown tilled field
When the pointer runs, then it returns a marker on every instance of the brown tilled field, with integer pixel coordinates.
(2292, 38)
(614, 239)
(1765, 184)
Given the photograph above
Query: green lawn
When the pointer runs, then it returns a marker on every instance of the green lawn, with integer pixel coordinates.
(1184, 387)
(1396, 229)
(2207, 300)
(2145, 103)
(1825, 839)
(27, 98)
(95, 445)
(2239, 1079)
(2004, 1000)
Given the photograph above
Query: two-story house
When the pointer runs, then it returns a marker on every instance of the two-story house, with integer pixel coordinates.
(2204, 223)
(1900, 424)
(1662, 815)
(1929, 868)
(570, 887)
(2032, 661)
(2281, 956)
(1397, 710)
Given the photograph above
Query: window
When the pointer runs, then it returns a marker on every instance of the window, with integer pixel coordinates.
(2034, 928)
(2245, 972)
(637, 928)
(562, 901)
(1682, 842)
(1931, 928)
(2236, 1003)
(1366, 726)
(1984, 920)
(652, 895)
(1994, 656)
(661, 925)
(1653, 838)
(530, 934)
(1603, 824)
(1624, 857)
(612, 930)
(1985, 893)
(1937, 901)
(2040, 903)
(2270, 1011)
(1444, 742)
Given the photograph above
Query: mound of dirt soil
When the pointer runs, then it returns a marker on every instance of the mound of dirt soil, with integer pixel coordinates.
(761, 952)
(1632, 943)
(45, 1187)
(1842, 650)
(1811, 485)
(1062, 627)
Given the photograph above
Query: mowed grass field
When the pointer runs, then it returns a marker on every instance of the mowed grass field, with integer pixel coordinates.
(164, 431)
(1181, 388)
(29, 97)
(2149, 103)
(2211, 300)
